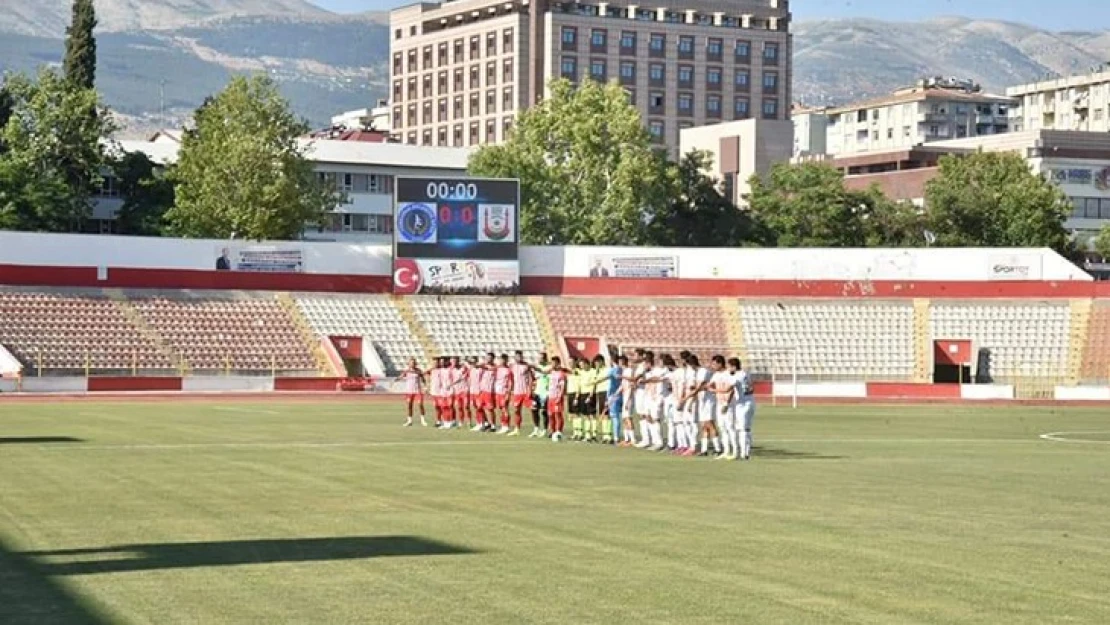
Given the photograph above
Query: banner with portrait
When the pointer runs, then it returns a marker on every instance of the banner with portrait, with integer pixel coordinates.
(633, 266)
(260, 258)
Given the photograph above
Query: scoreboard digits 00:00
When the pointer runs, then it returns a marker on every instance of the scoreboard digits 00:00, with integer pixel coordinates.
(448, 191)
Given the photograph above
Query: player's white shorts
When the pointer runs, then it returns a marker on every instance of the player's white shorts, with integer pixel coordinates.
(629, 407)
(670, 410)
(643, 406)
(659, 408)
(687, 413)
(726, 418)
(744, 414)
(707, 410)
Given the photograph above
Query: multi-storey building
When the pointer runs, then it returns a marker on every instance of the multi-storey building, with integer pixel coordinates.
(1072, 103)
(364, 171)
(810, 132)
(462, 69)
(933, 110)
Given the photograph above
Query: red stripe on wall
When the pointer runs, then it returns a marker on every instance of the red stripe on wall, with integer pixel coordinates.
(306, 384)
(891, 390)
(134, 384)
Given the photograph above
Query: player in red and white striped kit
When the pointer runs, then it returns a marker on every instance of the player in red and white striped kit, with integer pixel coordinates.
(413, 379)
(473, 391)
(502, 385)
(556, 397)
(523, 380)
(457, 376)
(441, 391)
(487, 416)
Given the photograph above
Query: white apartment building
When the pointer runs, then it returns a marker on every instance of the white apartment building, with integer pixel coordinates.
(933, 110)
(1073, 103)
(810, 132)
(364, 171)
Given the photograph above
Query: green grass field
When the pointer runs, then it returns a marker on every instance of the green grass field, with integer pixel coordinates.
(330, 512)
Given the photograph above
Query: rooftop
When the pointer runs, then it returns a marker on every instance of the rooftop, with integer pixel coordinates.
(921, 95)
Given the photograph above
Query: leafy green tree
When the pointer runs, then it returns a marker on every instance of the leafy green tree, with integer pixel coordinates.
(993, 199)
(1102, 243)
(6, 106)
(147, 195)
(80, 57)
(697, 214)
(242, 171)
(53, 138)
(588, 172)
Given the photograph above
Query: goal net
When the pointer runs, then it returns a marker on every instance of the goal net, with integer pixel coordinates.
(777, 366)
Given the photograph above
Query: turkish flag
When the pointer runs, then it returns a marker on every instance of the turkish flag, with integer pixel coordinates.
(406, 276)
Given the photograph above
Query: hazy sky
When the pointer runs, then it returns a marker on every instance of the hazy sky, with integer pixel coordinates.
(1054, 14)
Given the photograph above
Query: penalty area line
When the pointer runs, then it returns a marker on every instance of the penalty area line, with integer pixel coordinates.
(1068, 437)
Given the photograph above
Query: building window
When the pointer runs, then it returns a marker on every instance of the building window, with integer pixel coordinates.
(427, 57)
(713, 49)
(507, 99)
(474, 129)
(442, 80)
(411, 138)
(685, 104)
(713, 105)
(491, 131)
(442, 112)
(742, 79)
(398, 117)
(656, 102)
(457, 107)
(412, 61)
(889, 133)
(398, 91)
(411, 115)
(770, 53)
(457, 135)
(506, 126)
(458, 79)
(770, 108)
(441, 55)
(628, 42)
(457, 53)
(631, 93)
(412, 89)
(475, 77)
(770, 81)
(568, 68)
(713, 76)
(397, 33)
(475, 48)
(657, 73)
(599, 40)
(685, 47)
(426, 138)
(507, 71)
(475, 105)
(743, 51)
(491, 73)
(427, 84)
(441, 136)
(491, 102)
(685, 76)
(427, 113)
(507, 41)
(491, 44)
(398, 68)
(628, 71)
(740, 108)
(656, 129)
(657, 45)
(570, 38)
(598, 70)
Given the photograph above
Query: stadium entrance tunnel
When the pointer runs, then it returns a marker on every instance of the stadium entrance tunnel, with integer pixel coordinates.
(149, 557)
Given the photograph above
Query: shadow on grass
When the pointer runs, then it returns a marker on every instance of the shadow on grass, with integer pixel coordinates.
(771, 453)
(125, 558)
(38, 440)
(29, 596)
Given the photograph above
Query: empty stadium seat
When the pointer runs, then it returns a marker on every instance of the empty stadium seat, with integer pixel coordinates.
(1028, 340)
(471, 326)
(69, 331)
(1096, 352)
(663, 326)
(855, 340)
(371, 316)
(213, 333)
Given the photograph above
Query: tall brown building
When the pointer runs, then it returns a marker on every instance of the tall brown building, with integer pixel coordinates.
(460, 70)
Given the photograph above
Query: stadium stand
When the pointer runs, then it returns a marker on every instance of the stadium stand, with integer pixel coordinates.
(62, 331)
(832, 340)
(1015, 341)
(470, 327)
(658, 325)
(221, 332)
(371, 316)
(1096, 353)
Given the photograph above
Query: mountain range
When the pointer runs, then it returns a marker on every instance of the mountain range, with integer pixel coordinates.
(158, 59)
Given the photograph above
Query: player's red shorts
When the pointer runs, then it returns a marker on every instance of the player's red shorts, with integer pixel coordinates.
(460, 399)
(502, 400)
(554, 405)
(521, 400)
(485, 399)
(443, 401)
(473, 400)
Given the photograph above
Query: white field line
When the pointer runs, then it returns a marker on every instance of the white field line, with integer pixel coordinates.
(488, 441)
(1068, 437)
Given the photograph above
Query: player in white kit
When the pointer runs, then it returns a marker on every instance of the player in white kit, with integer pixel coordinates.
(628, 398)
(654, 380)
(723, 386)
(686, 410)
(744, 408)
(707, 405)
(640, 406)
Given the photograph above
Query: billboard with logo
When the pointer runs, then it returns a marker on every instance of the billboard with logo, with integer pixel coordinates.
(456, 235)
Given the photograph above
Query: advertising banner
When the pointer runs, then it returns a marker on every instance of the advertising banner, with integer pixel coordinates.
(1014, 267)
(260, 258)
(633, 266)
(455, 277)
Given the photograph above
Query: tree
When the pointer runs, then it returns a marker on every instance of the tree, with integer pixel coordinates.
(588, 172)
(993, 199)
(7, 105)
(147, 195)
(1102, 243)
(80, 57)
(242, 170)
(697, 214)
(52, 137)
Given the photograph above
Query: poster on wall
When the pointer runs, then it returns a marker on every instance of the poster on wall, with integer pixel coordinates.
(456, 235)
(260, 258)
(633, 266)
(455, 277)
(1014, 267)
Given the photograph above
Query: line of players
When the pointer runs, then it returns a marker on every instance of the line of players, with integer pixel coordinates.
(701, 407)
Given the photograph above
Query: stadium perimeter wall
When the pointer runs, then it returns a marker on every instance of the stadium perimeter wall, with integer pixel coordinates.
(59, 260)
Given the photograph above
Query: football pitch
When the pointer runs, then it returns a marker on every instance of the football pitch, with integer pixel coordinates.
(329, 512)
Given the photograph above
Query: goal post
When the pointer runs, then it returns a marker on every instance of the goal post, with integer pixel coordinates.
(777, 365)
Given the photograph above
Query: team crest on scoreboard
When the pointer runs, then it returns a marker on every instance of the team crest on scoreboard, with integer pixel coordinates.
(416, 223)
(496, 223)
